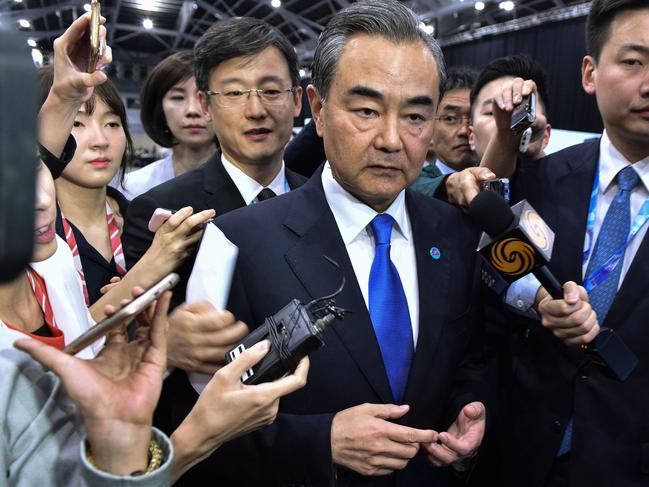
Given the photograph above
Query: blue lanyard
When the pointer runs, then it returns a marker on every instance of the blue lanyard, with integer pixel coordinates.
(598, 275)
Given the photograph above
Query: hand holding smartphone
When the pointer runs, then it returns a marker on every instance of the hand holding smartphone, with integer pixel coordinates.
(95, 44)
(126, 313)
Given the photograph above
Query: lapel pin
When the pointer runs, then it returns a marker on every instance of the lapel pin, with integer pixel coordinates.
(435, 253)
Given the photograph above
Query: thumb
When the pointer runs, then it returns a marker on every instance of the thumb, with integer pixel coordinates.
(583, 294)
(246, 360)
(571, 292)
(388, 411)
(483, 174)
(474, 410)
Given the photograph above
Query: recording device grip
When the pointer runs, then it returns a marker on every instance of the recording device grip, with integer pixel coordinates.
(549, 282)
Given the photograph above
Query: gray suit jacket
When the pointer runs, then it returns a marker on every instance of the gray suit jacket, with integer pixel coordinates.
(42, 432)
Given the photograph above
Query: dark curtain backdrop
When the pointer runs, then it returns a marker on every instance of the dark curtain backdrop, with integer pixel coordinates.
(559, 47)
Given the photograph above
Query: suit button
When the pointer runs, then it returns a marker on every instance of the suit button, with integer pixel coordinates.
(583, 372)
(557, 425)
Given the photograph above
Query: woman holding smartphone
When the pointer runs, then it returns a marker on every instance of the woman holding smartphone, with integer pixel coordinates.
(90, 213)
(171, 116)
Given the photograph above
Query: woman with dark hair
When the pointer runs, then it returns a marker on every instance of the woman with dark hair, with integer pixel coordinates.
(90, 213)
(171, 115)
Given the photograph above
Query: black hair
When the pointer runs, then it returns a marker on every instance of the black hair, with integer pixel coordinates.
(239, 37)
(601, 16)
(519, 66)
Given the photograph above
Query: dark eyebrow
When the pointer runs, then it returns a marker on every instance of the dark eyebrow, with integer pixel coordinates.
(376, 95)
(488, 101)
(265, 79)
(639, 48)
(455, 108)
(177, 88)
(366, 92)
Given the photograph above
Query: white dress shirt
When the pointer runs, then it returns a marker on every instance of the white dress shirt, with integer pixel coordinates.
(248, 187)
(444, 168)
(611, 162)
(353, 218)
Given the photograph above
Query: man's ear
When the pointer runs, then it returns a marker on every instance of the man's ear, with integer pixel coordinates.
(589, 74)
(471, 137)
(315, 101)
(546, 135)
(205, 105)
(297, 100)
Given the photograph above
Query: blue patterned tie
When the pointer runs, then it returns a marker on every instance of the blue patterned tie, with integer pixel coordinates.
(389, 309)
(612, 235)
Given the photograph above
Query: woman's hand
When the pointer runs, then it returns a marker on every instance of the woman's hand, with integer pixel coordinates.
(227, 408)
(116, 392)
(176, 238)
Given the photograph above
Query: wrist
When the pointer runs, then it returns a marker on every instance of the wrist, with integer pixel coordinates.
(118, 447)
(190, 445)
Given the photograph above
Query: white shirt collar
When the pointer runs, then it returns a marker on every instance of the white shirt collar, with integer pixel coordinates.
(611, 162)
(353, 216)
(444, 168)
(248, 187)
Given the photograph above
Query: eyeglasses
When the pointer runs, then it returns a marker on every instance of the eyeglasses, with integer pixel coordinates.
(269, 96)
(454, 120)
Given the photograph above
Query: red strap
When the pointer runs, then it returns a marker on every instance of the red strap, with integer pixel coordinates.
(40, 292)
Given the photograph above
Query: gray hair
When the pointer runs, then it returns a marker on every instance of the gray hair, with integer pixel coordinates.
(384, 18)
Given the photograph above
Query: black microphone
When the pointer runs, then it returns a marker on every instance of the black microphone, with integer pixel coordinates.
(516, 242)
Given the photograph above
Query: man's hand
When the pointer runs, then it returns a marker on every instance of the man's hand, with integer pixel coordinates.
(227, 408)
(199, 337)
(117, 392)
(462, 439)
(571, 319)
(364, 441)
(463, 186)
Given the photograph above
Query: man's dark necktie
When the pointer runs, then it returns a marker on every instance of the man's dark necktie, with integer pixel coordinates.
(265, 194)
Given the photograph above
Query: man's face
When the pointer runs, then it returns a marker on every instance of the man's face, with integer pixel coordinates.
(451, 136)
(483, 126)
(378, 118)
(252, 132)
(620, 81)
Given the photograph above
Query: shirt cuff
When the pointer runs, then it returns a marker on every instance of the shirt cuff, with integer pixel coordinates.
(159, 477)
(521, 294)
(55, 164)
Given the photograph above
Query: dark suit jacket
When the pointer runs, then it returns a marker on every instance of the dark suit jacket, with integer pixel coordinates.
(208, 186)
(282, 243)
(552, 382)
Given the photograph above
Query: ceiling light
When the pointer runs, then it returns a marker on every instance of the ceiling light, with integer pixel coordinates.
(276, 3)
(25, 24)
(508, 5)
(147, 4)
(147, 24)
(479, 5)
(86, 7)
(18, 1)
(302, 73)
(37, 57)
(31, 42)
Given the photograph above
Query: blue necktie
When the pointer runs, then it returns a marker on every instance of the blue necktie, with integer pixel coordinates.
(389, 309)
(612, 235)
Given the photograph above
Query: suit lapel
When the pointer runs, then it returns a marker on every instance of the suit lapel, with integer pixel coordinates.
(571, 202)
(312, 220)
(432, 279)
(219, 191)
(294, 179)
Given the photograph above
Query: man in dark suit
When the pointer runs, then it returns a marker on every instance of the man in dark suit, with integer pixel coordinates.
(396, 390)
(569, 420)
(248, 76)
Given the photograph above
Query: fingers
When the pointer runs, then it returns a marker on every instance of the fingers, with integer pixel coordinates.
(440, 455)
(386, 411)
(245, 361)
(571, 293)
(48, 356)
(289, 383)
(177, 218)
(405, 434)
(158, 332)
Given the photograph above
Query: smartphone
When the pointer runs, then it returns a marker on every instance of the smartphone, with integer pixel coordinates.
(525, 140)
(498, 185)
(95, 45)
(160, 215)
(524, 115)
(128, 312)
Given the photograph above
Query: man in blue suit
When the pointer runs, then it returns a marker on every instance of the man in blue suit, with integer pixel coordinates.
(396, 391)
(569, 421)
